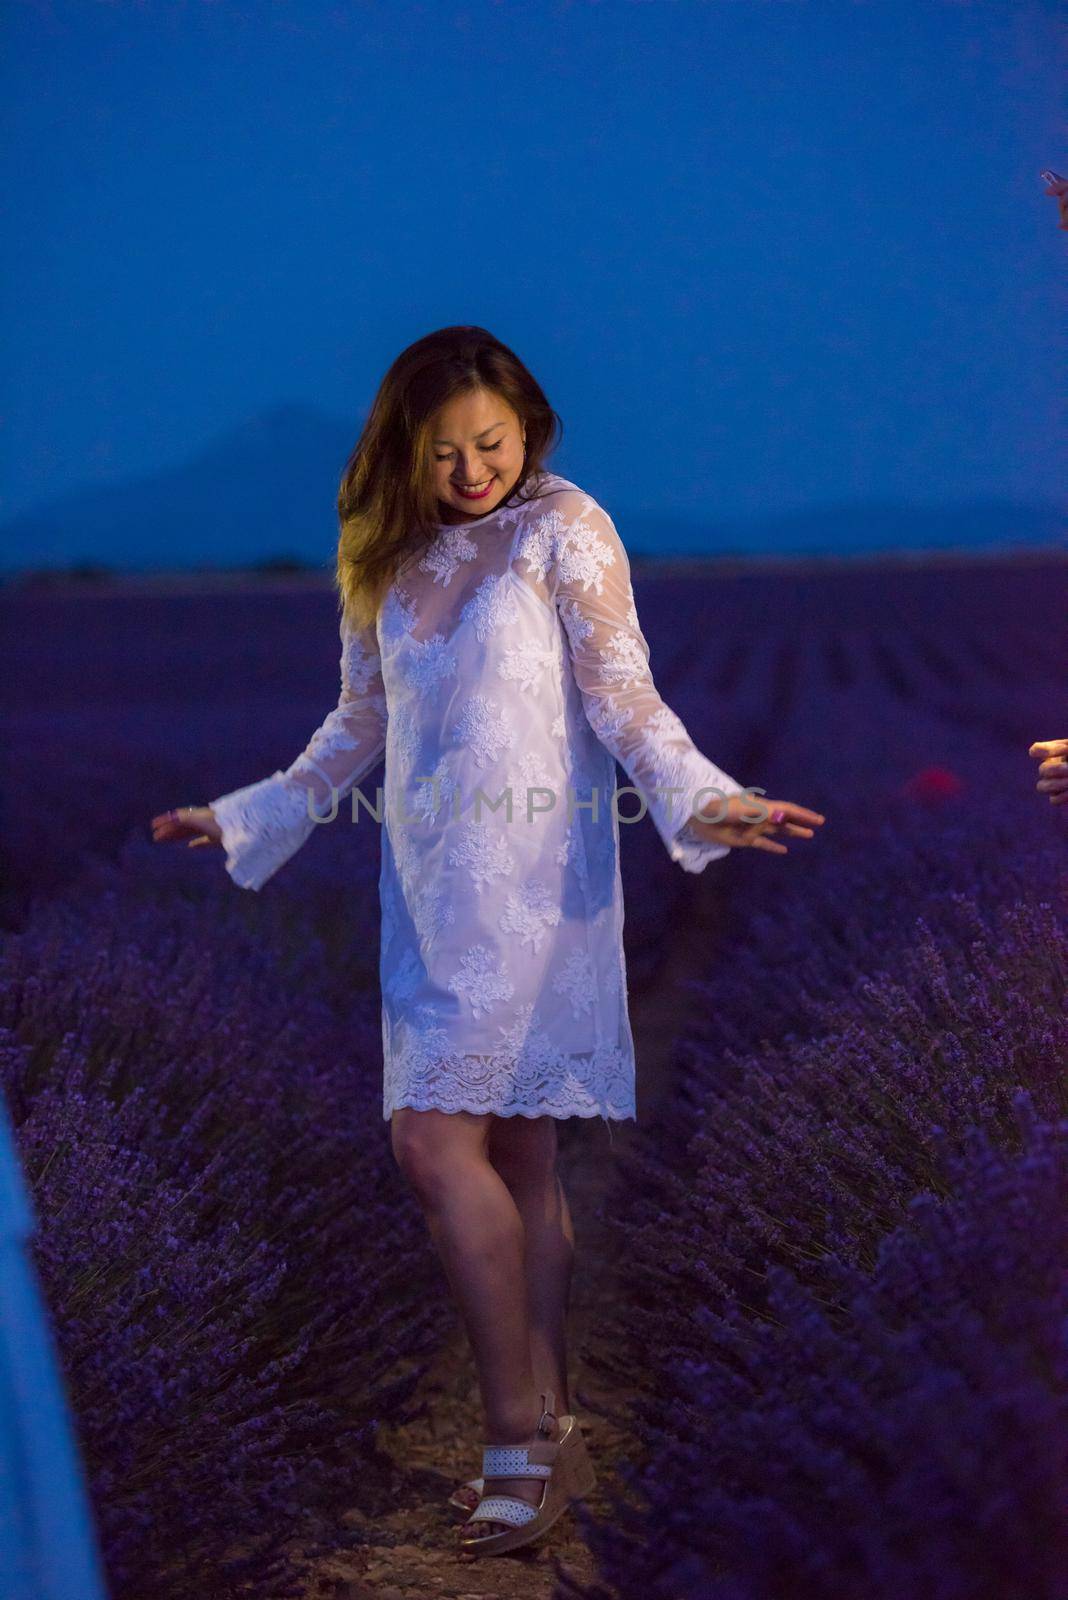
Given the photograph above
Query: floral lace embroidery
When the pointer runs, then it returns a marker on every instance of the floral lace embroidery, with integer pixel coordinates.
(407, 737)
(450, 549)
(432, 912)
(484, 852)
(578, 628)
(583, 556)
(398, 615)
(405, 854)
(360, 667)
(486, 728)
(493, 605)
(572, 853)
(335, 735)
(623, 660)
(483, 979)
(526, 664)
(662, 726)
(608, 720)
(434, 795)
(429, 661)
(576, 981)
(536, 545)
(528, 911)
(533, 773)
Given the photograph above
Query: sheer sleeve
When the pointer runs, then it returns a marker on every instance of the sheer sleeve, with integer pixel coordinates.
(267, 822)
(591, 584)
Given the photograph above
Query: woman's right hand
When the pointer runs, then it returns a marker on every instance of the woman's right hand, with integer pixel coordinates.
(195, 825)
(737, 827)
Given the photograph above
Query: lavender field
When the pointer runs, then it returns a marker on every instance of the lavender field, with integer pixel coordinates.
(821, 1291)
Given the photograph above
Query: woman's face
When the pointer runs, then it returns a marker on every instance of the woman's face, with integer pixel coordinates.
(476, 446)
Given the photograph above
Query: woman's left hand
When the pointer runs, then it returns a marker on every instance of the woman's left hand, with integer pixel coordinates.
(738, 826)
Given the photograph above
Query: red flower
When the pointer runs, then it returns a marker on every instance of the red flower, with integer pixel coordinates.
(932, 785)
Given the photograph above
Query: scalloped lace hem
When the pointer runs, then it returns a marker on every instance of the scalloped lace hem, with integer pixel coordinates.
(610, 1113)
(586, 1083)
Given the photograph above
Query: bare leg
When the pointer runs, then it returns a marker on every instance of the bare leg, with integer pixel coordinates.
(523, 1150)
(478, 1233)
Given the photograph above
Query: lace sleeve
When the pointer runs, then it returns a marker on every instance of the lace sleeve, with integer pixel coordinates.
(591, 584)
(267, 822)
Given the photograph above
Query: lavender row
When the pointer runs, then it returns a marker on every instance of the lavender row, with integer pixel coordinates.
(241, 1289)
(852, 1365)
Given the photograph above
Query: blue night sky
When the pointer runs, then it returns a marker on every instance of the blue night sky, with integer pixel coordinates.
(762, 256)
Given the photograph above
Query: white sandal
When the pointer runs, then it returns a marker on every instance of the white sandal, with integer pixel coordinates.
(562, 1462)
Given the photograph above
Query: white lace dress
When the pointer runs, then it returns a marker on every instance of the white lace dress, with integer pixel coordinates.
(505, 657)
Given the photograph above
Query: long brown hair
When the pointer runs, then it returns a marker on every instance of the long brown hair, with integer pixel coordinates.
(387, 504)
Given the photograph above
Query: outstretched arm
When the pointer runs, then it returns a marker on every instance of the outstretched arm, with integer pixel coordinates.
(590, 580)
(267, 822)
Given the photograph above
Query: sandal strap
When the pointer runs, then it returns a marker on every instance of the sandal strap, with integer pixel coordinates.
(512, 1461)
(503, 1508)
(525, 1461)
(548, 1413)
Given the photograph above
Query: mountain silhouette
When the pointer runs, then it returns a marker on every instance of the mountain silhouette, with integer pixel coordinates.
(262, 491)
(868, 527)
(263, 494)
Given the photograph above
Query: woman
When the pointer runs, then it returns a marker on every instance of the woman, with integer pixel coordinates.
(492, 652)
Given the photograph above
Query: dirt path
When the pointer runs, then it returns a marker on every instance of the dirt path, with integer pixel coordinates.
(412, 1546)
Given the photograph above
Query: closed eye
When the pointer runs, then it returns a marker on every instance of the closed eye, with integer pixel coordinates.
(487, 449)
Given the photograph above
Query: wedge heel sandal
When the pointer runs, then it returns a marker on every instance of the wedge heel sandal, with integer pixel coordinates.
(470, 1492)
(562, 1463)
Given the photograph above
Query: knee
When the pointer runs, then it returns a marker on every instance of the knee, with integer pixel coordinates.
(423, 1157)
